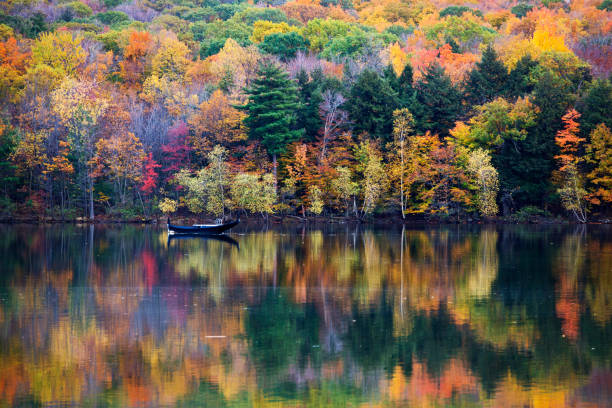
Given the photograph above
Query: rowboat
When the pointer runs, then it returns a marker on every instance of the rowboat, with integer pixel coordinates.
(201, 228)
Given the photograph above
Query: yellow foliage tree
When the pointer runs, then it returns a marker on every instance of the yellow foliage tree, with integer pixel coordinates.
(546, 40)
(263, 28)
(59, 50)
(238, 62)
(29, 154)
(398, 58)
(172, 58)
(172, 94)
(79, 106)
(121, 157)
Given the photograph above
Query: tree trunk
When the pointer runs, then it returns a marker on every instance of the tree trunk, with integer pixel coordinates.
(274, 170)
(402, 180)
(91, 204)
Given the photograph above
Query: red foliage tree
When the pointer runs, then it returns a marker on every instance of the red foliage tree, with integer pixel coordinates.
(176, 151)
(150, 176)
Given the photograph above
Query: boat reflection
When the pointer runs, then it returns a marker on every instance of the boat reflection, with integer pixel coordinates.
(211, 237)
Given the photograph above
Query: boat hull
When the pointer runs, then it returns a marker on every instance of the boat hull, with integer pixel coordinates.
(201, 229)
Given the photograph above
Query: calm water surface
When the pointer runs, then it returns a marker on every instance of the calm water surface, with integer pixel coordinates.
(514, 316)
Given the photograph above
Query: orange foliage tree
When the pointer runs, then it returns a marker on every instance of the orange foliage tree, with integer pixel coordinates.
(135, 53)
(13, 63)
(572, 189)
(216, 122)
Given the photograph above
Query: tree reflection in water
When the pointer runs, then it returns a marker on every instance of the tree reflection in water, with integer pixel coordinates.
(324, 316)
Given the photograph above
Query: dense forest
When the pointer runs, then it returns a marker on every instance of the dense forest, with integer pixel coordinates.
(424, 108)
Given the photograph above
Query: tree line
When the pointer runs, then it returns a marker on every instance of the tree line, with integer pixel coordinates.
(304, 109)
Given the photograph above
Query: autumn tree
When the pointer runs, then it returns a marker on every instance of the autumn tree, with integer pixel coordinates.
(150, 175)
(420, 173)
(235, 64)
(497, 123)
(79, 105)
(304, 11)
(599, 156)
(254, 193)
(60, 52)
(375, 181)
(217, 122)
(172, 58)
(134, 64)
(59, 170)
(403, 125)
(479, 166)
(207, 189)
(572, 191)
(334, 120)
(121, 157)
(13, 63)
(301, 177)
(449, 183)
(176, 151)
(344, 188)
(29, 155)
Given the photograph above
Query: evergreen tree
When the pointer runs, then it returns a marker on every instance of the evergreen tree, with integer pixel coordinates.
(438, 102)
(525, 167)
(519, 81)
(405, 89)
(8, 180)
(371, 104)
(272, 110)
(596, 107)
(487, 80)
(402, 85)
(308, 117)
(284, 45)
(391, 78)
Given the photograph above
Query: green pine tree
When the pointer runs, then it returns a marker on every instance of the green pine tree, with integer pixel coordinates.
(405, 90)
(596, 107)
(390, 77)
(370, 104)
(438, 103)
(487, 80)
(310, 98)
(271, 109)
(520, 80)
(402, 85)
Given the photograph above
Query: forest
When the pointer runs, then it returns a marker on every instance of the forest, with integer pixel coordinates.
(421, 109)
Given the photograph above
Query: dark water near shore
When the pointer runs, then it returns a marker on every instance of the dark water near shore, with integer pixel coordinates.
(323, 316)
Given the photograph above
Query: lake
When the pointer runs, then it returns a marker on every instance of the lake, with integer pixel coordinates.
(314, 317)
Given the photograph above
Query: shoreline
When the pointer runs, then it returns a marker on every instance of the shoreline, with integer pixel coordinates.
(381, 221)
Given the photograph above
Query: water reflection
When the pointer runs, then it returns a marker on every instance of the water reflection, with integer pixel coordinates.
(460, 316)
(219, 237)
